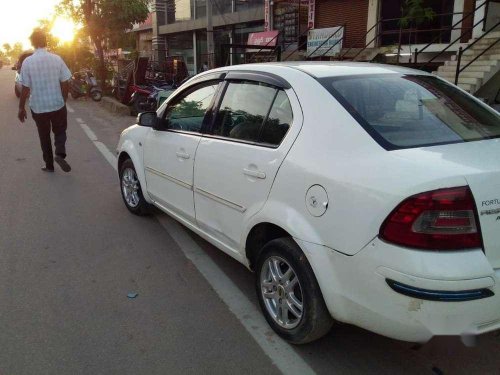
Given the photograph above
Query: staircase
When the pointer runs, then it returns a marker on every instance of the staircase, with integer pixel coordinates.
(480, 71)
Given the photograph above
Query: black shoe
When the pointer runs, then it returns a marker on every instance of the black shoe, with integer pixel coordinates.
(48, 169)
(62, 163)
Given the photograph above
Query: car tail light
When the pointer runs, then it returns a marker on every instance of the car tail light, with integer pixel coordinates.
(436, 220)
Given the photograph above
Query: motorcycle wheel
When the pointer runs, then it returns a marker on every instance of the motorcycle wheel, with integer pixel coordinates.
(96, 95)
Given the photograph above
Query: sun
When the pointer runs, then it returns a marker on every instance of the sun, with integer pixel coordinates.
(64, 29)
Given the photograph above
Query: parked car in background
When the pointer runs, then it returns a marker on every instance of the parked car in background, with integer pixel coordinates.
(18, 87)
(364, 193)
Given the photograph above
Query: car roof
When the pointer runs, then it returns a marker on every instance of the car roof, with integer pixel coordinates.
(322, 69)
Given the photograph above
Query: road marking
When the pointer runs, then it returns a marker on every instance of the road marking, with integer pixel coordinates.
(89, 132)
(108, 155)
(79, 120)
(70, 110)
(280, 352)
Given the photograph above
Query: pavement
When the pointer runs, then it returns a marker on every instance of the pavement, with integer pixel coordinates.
(70, 253)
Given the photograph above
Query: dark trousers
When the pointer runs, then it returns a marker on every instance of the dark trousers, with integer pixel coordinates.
(58, 122)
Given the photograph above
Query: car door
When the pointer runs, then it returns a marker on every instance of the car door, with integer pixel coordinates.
(236, 163)
(169, 153)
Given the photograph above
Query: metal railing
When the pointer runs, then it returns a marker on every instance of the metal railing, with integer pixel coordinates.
(462, 50)
(264, 47)
(299, 45)
(453, 27)
(377, 34)
(342, 28)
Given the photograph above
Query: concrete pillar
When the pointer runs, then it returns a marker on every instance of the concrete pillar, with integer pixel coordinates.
(480, 13)
(458, 7)
(373, 17)
(159, 8)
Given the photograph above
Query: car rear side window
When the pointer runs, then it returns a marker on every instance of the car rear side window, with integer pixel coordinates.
(403, 111)
(278, 122)
(243, 110)
(253, 112)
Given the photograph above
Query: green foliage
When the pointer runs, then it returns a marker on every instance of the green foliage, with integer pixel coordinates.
(414, 12)
(12, 52)
(104, 20)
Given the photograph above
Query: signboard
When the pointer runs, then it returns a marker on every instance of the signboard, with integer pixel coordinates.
(266, 38)
(311, 14)
(320, 42)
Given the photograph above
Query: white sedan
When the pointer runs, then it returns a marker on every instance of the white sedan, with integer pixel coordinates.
(360, 193)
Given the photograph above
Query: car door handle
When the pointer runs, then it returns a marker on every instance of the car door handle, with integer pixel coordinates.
(183, 155)
(253, 173)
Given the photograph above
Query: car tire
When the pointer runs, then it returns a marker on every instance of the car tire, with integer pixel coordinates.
(292, 285)
(131, 190)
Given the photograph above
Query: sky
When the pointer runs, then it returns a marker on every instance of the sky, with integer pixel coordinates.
(18, 18)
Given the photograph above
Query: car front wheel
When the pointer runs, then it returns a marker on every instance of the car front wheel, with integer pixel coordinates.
(289, 294)
(131, 189)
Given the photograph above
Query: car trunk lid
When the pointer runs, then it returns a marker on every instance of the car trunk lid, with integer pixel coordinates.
(486, 190)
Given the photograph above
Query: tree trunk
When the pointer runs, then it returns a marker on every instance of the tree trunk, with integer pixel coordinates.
(102, 65)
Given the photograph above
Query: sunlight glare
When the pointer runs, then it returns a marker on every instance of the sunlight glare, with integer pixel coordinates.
(64, 30)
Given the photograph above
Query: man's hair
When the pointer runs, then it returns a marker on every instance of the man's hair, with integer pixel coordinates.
(38, 38)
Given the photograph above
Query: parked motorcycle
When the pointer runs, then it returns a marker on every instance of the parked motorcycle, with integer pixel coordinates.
(145, 98)
(85, 84)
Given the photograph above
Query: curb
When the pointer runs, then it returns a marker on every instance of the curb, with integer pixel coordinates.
(114, 106)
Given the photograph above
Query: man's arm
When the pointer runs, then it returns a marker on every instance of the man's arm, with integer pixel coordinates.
(65, 90)
(25, 93)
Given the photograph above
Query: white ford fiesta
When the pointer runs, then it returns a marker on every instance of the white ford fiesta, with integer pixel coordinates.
(364, 193)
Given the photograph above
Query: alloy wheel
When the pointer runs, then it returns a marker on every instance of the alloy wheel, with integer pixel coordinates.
(281, 292)
(130, 187)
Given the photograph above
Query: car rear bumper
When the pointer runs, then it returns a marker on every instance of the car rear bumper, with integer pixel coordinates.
(408, 294)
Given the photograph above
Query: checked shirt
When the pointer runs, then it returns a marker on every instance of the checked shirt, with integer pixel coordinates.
(43, 73)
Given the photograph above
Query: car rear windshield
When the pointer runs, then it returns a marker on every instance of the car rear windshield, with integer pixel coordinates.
(404, 111)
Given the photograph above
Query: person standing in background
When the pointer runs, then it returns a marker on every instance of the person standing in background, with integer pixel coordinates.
(45, 79)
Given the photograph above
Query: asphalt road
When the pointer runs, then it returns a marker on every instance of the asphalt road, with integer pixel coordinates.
(70, 253)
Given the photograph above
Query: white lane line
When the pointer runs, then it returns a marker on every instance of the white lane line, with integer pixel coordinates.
(280, 352)
(79, 120)
(89, 132)
(108, 155)
(70, 110)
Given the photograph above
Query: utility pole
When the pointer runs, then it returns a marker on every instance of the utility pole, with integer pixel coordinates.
(210, 36)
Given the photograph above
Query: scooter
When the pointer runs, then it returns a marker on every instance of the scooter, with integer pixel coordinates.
(84, 84)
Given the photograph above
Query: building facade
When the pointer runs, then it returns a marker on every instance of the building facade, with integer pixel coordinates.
(179, 27)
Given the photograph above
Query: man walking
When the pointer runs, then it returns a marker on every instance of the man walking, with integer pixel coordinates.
(45, 79)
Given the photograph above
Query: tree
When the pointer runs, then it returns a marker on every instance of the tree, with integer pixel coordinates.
(413, 12)
(105, 19)
(76, 54)
(13, 52)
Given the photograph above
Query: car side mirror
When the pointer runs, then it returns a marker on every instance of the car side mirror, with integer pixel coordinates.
(148, 119)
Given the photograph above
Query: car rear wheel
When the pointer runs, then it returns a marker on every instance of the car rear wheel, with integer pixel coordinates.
(289, 294)
(131, 189)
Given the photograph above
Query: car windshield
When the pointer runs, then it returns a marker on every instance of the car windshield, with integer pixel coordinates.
(403, 111)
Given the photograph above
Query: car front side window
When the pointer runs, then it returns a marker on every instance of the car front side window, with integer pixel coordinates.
(187, 112)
